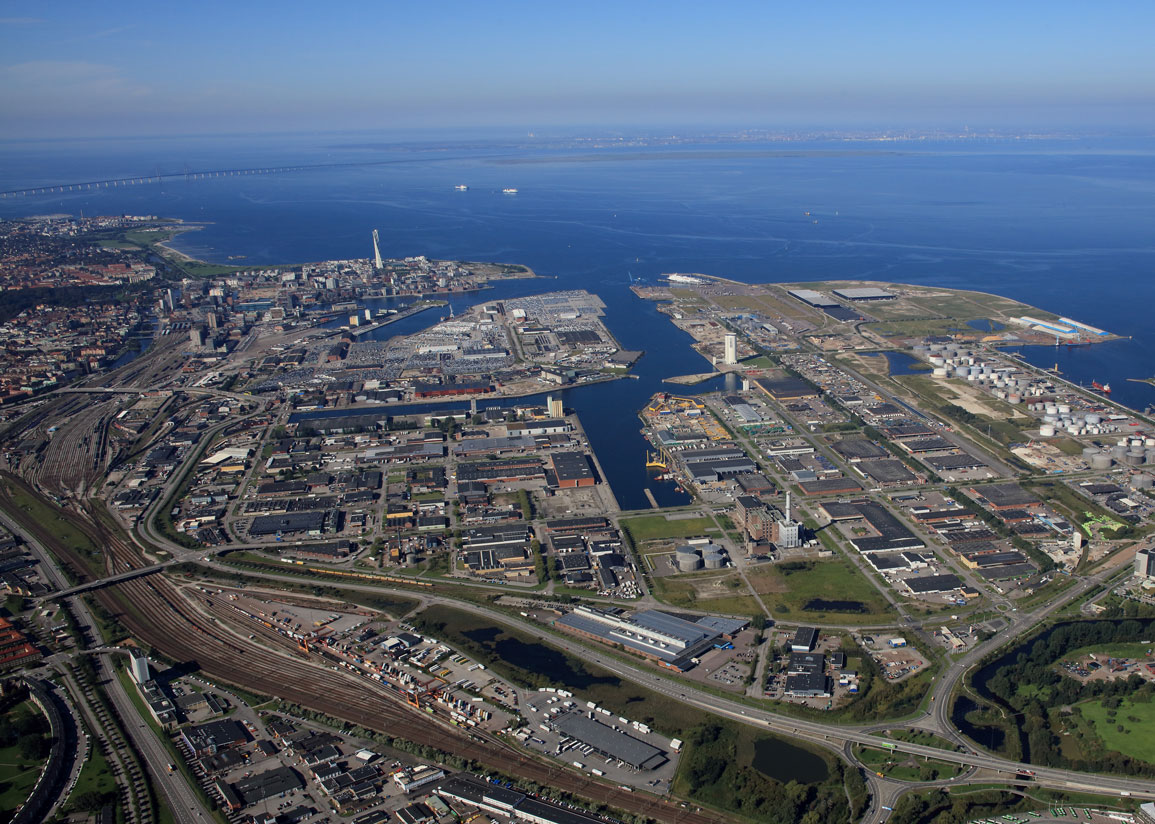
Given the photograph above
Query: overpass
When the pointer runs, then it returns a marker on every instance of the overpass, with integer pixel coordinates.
(103, 582)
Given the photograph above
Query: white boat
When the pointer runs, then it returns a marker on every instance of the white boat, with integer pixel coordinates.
(510, 191)
(461, 187)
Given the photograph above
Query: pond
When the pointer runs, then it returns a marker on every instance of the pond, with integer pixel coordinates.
(822, 605)
(986, 325)
(556, 666)
(784, 762)
(901, 363)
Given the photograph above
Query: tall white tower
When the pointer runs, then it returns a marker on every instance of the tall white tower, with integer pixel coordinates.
(731, 354)
(377, 264)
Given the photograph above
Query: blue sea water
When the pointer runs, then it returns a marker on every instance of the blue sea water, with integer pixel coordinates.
(1065, 225)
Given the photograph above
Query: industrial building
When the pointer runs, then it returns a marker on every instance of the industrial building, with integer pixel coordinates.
(932, 583)
(863, 293)
(805, 639)
(610, 742)
(570, 470)
(786, 388)
(313, 522)
(671, 641)
(509, 803)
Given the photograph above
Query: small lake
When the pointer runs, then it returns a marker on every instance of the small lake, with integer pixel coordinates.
(901, 363)
(986, 325)
(784, 762)
(537, 658)
(822, 605)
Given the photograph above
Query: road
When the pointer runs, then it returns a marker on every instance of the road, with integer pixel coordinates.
(829, 735)
(185, 805)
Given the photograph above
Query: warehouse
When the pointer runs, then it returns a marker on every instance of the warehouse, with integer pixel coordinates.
(1001, 497)
(946, 463)
(830, 486)
(509, 803)
(864, 293)
(805, 639)
(889, 471)
(812, 298)
(314, 522)
(499, 471)
(786, 388)
(931, 444)
(570, 471)
(932, 583)
(858, 449)
(609, 742)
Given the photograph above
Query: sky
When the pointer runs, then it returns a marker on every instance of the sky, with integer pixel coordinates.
(81, 69)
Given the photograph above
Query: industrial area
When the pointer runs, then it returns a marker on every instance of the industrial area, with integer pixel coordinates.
(242, 540)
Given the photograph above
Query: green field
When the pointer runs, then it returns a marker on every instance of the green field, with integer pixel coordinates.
(1128, 731)
(654, 527)
(926, 739)
(49, 517)
(788, 588)
(904, 767)
(18, 773)
(1135, 651)
(725, 593)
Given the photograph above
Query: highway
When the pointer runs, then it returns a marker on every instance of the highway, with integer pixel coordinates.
(831, 735)
(185, 805)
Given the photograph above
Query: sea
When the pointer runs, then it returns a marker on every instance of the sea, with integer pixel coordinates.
(1062, 223)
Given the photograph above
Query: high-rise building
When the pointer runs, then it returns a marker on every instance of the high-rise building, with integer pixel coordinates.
(1145, 563)
(377, 263)
(731, 352)
(197, 336)
(556, 409)
(138, 662)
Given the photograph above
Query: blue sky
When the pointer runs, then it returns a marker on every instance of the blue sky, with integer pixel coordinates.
(130, 68)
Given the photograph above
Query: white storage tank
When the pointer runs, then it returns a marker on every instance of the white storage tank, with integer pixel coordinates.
(1047, 430)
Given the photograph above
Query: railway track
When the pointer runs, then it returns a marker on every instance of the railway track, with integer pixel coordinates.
(159, 613)
(165, 620)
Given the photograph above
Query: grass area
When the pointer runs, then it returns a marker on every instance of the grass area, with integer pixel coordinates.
(687, 592)
(95, 776)
(904, 767)
(1134, 650)
(926, 739)
(820, 591)
(384, 601)
(1126, 729)
(49, 517)
(654, 527)
(17, 774)
(699, 592)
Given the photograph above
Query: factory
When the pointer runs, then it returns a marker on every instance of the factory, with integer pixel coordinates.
(673, 642)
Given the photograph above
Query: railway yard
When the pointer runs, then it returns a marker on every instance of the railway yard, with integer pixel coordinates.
(266, 514)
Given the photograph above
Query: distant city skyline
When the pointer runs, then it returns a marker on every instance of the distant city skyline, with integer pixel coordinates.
(75, 69)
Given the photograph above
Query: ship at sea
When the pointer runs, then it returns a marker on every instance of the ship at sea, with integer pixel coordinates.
(461, 187)
(509, 191)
